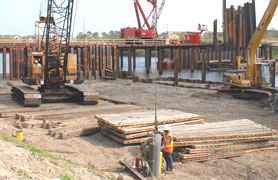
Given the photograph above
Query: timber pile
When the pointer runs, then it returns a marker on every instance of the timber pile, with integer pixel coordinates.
(136, 127)
(203, 142)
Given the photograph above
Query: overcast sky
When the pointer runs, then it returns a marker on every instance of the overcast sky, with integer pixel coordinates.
(17, 17)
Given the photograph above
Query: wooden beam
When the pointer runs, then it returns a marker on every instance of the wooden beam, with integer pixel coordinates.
(132, 170)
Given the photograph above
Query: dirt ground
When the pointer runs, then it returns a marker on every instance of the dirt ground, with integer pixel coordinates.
(103, 153)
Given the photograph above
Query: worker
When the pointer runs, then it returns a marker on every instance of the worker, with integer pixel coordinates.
(187, 39)
(183, 40)
(37, 65)
(167, 147)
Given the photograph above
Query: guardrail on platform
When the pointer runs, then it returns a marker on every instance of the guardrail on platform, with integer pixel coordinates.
(90, 41)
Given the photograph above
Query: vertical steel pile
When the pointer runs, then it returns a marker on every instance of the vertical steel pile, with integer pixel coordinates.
(238, 25)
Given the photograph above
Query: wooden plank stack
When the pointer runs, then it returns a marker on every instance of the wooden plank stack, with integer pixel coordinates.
(135, 127)
(203, 142)
(64, 120)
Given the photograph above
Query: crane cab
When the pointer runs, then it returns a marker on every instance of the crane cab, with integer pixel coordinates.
(263, 76)
(34, 73)
(239, 78)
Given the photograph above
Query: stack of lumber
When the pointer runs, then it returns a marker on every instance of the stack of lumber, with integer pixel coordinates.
(74, 122)
(203, 142)
(135, 127)
(63, 120)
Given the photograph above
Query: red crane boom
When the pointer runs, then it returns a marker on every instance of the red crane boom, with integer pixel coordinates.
(147, 30)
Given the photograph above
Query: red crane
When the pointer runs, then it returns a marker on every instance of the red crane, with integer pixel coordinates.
(147, 30)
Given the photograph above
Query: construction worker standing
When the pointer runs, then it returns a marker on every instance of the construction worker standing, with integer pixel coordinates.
(167, 147)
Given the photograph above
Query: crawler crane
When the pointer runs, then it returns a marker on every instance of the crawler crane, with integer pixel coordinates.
(52, 68)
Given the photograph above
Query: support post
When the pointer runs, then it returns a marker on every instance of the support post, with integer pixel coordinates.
(192, 60)
(176, 72)
(11, 63)
(129, 61)
(4, 63)
(147, 59)
(97, 61)
(79, 62)
(160, 59)
(109, 57)
(21, 65)
(204, 68)
(171, 54)
(122, 59)
(90, 60)
(117, 59)
(85, 60)
(134, 59)
(179, 58)
(215, 41)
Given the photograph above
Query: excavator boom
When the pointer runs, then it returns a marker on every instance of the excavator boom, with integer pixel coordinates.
(256, 39)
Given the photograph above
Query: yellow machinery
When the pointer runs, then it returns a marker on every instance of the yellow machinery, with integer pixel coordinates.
(253, 81)
(257, 73)
(53, 68)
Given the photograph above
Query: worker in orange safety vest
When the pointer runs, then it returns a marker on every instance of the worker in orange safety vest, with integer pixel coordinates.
(167, 147)
(187, 39)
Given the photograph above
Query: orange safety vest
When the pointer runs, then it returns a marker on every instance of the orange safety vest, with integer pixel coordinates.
(170, 146)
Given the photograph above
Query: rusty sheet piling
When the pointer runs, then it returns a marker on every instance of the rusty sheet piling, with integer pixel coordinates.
(239, 24)
(4, 63)
(94, 59)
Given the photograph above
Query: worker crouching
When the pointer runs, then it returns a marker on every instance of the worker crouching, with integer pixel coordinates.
(167, 147)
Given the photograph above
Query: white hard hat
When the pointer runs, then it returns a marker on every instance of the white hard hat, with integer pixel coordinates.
(36, 61)
(166, 127)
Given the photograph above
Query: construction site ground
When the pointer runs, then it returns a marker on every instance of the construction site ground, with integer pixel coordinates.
(97, 157)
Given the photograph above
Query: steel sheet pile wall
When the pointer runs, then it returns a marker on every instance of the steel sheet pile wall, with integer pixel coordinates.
(239, 24)
(92, 60)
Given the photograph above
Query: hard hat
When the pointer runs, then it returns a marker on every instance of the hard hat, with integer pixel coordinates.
(166, 127)
(36, 61)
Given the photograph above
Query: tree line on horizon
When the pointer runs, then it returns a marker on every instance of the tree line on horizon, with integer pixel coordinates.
(271, 34)
(206, 36)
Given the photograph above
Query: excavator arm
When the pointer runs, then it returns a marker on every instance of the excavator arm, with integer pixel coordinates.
(255, 41)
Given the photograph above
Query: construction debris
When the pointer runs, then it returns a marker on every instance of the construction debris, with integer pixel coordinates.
(136, 127)
(203, 142)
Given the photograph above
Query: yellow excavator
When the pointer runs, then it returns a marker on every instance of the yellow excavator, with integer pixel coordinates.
(253, 81)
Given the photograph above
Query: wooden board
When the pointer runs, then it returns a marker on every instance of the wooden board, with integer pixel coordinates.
(132, 170)
(58, 113)
(237, 140)
(142, 119)
(220, 130)
(227, 155)
(232, 148)
(128, 130)
(133, 130)
(123, 141)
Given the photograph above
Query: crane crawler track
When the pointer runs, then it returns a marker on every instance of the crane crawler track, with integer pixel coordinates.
(83, 95)
(26, 96)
